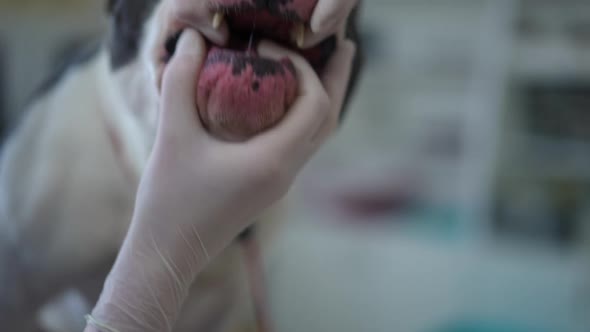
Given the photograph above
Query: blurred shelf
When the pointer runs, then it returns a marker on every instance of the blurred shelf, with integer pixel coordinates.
(546, 157)
(551, 60)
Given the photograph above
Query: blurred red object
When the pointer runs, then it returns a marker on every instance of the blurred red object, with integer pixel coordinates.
(368, 195)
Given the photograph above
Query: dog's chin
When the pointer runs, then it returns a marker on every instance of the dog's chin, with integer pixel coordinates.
(240, 93)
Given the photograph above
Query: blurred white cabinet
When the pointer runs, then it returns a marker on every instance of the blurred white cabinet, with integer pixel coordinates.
(432, 95)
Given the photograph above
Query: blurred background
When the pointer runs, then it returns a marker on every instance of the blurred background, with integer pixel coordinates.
(455, 198)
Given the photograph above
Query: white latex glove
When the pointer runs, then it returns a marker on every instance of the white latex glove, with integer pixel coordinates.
(329, 18)
(198, 193)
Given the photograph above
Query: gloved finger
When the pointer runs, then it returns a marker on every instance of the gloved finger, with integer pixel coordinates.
(178, 110)
(336, 79)
(304, 118)
(328, 19)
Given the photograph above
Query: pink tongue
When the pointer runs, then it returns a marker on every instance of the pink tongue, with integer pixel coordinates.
(240, 95)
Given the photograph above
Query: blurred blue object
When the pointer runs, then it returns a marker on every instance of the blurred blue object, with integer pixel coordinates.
(488, 327)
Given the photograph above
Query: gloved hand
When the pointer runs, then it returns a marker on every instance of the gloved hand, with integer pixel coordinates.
(198, 193)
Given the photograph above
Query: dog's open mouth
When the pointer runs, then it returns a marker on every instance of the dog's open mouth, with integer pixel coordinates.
(239, 92)
(249, 25)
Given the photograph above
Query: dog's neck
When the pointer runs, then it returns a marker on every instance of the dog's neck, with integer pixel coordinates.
(126, 106)
(129, 106)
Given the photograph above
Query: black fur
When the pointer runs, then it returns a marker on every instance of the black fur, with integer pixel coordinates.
(353, 33)
(247, 234)
(127, 18)
(3, 110)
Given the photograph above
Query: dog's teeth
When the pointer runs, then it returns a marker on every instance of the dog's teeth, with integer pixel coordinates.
(299, 34)
(217, 20)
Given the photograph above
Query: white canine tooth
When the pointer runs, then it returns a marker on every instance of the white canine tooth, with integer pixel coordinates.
(218, 19)
(299, 34)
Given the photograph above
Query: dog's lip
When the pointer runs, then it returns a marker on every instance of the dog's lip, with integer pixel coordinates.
(287, 16)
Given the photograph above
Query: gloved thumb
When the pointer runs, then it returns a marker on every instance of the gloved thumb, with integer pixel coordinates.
(178, 107)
